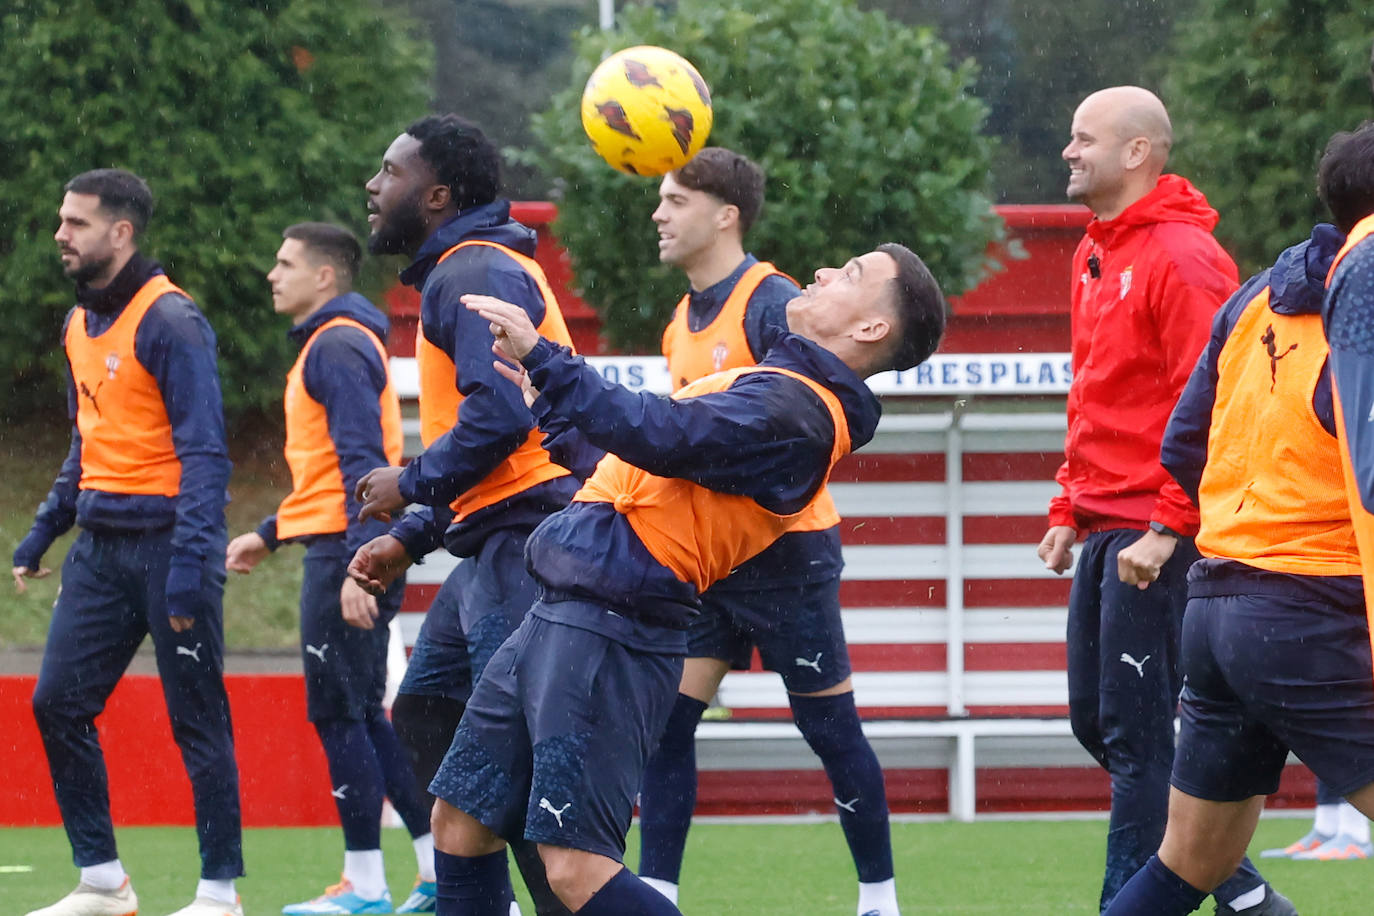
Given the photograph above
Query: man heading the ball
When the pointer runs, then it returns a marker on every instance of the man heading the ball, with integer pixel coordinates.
(553, 743)
(785, 601)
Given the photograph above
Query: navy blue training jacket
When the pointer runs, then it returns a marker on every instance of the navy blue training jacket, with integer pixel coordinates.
(767, 437)
(344, 372)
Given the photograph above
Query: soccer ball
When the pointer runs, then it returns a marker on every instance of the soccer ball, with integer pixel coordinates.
(646, 110)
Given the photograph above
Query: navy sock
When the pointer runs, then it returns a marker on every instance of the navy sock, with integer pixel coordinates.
(398, 778)
(1155, 891)
(357, 781)
(830, 725)
(476, 886)
(626, 895)
(425, 726)
(1243, 880)
(668, 793)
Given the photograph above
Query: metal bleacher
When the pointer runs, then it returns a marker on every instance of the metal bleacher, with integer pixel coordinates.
(956, 631)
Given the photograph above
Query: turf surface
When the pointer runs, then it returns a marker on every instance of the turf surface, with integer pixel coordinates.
(797, 869)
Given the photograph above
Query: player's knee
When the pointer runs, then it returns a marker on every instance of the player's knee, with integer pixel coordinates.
(829, 723)
(575, 876)
(679, 734)
(54, 708)
(1201, 862)
(459, 834)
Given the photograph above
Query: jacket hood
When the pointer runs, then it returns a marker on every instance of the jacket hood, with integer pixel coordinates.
(1297, 281)
(349, 305)
(861, 405)
(1173, 200)
(489, 223)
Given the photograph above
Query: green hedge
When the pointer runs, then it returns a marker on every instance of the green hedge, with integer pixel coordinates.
(244, 117)
(867, 130)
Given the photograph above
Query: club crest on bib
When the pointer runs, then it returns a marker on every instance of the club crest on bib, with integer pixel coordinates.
(719, 354)
(1125, 282)
(112, 364)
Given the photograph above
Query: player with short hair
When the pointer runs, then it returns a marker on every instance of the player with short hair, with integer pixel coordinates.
(342, 419)
(785, 601)
(1276, 650)
(435, 199)
(553, 743)
(145, 480)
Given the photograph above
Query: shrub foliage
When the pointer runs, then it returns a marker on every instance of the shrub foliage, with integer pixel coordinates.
(1255, 90)
(243, 117)
(867, 130)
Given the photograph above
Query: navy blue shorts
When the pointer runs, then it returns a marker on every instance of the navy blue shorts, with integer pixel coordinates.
(439, 664)
(796, 628)
(345, 667)
(481, 603)
(554, 740)
(1266, 674)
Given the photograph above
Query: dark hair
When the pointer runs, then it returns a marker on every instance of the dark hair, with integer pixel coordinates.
(920, 307)
(331, 243)
(728, 176)
(462, 158)
(123, 195)
(1345, 177)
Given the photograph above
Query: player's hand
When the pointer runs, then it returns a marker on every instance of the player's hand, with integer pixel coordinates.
(1139, 563)
(181, 624)
(515, 334)
(378, 563)
(245, 552)
(1056, 548)
(23, 572)
(379, 491)
(359, 609)
(519, 376)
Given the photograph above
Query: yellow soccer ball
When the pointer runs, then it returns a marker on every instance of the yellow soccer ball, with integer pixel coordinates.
(646, 110)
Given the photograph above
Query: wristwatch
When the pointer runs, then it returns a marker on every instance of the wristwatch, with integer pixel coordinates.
(1161, 528)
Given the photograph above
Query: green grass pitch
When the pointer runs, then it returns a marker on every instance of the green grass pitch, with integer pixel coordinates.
(1031, 867)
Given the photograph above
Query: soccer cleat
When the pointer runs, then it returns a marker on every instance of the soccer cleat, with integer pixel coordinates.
(1311, 841)
(1340, 848)
(423, 898)
(1274, 904)
(208, 906)
(341, 900)
(94, 901)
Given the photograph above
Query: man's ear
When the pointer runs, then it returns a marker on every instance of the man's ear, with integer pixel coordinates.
(438, 197)
(727, 216)
(873, 329)
(123, 231)
(325, 277)
(1136, 152)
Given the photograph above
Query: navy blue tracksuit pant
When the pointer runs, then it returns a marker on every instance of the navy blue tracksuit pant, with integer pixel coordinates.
(1124, 683)
(113, 596)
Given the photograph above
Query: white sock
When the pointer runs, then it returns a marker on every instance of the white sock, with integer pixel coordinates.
(880, 896)
(218, 889)
(1353, 823)
(1250, 898)
(1328, 819)
(363, 869)
(514, 909)
(107, 876)
(666, 888)
(424, 856)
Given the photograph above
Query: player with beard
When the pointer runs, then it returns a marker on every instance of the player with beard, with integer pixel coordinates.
(483, 478)
(146, 481)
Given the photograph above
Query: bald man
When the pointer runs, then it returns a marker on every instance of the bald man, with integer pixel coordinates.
(1147, 278)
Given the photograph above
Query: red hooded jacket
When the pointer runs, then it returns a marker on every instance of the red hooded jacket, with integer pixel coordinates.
(1145, 287)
